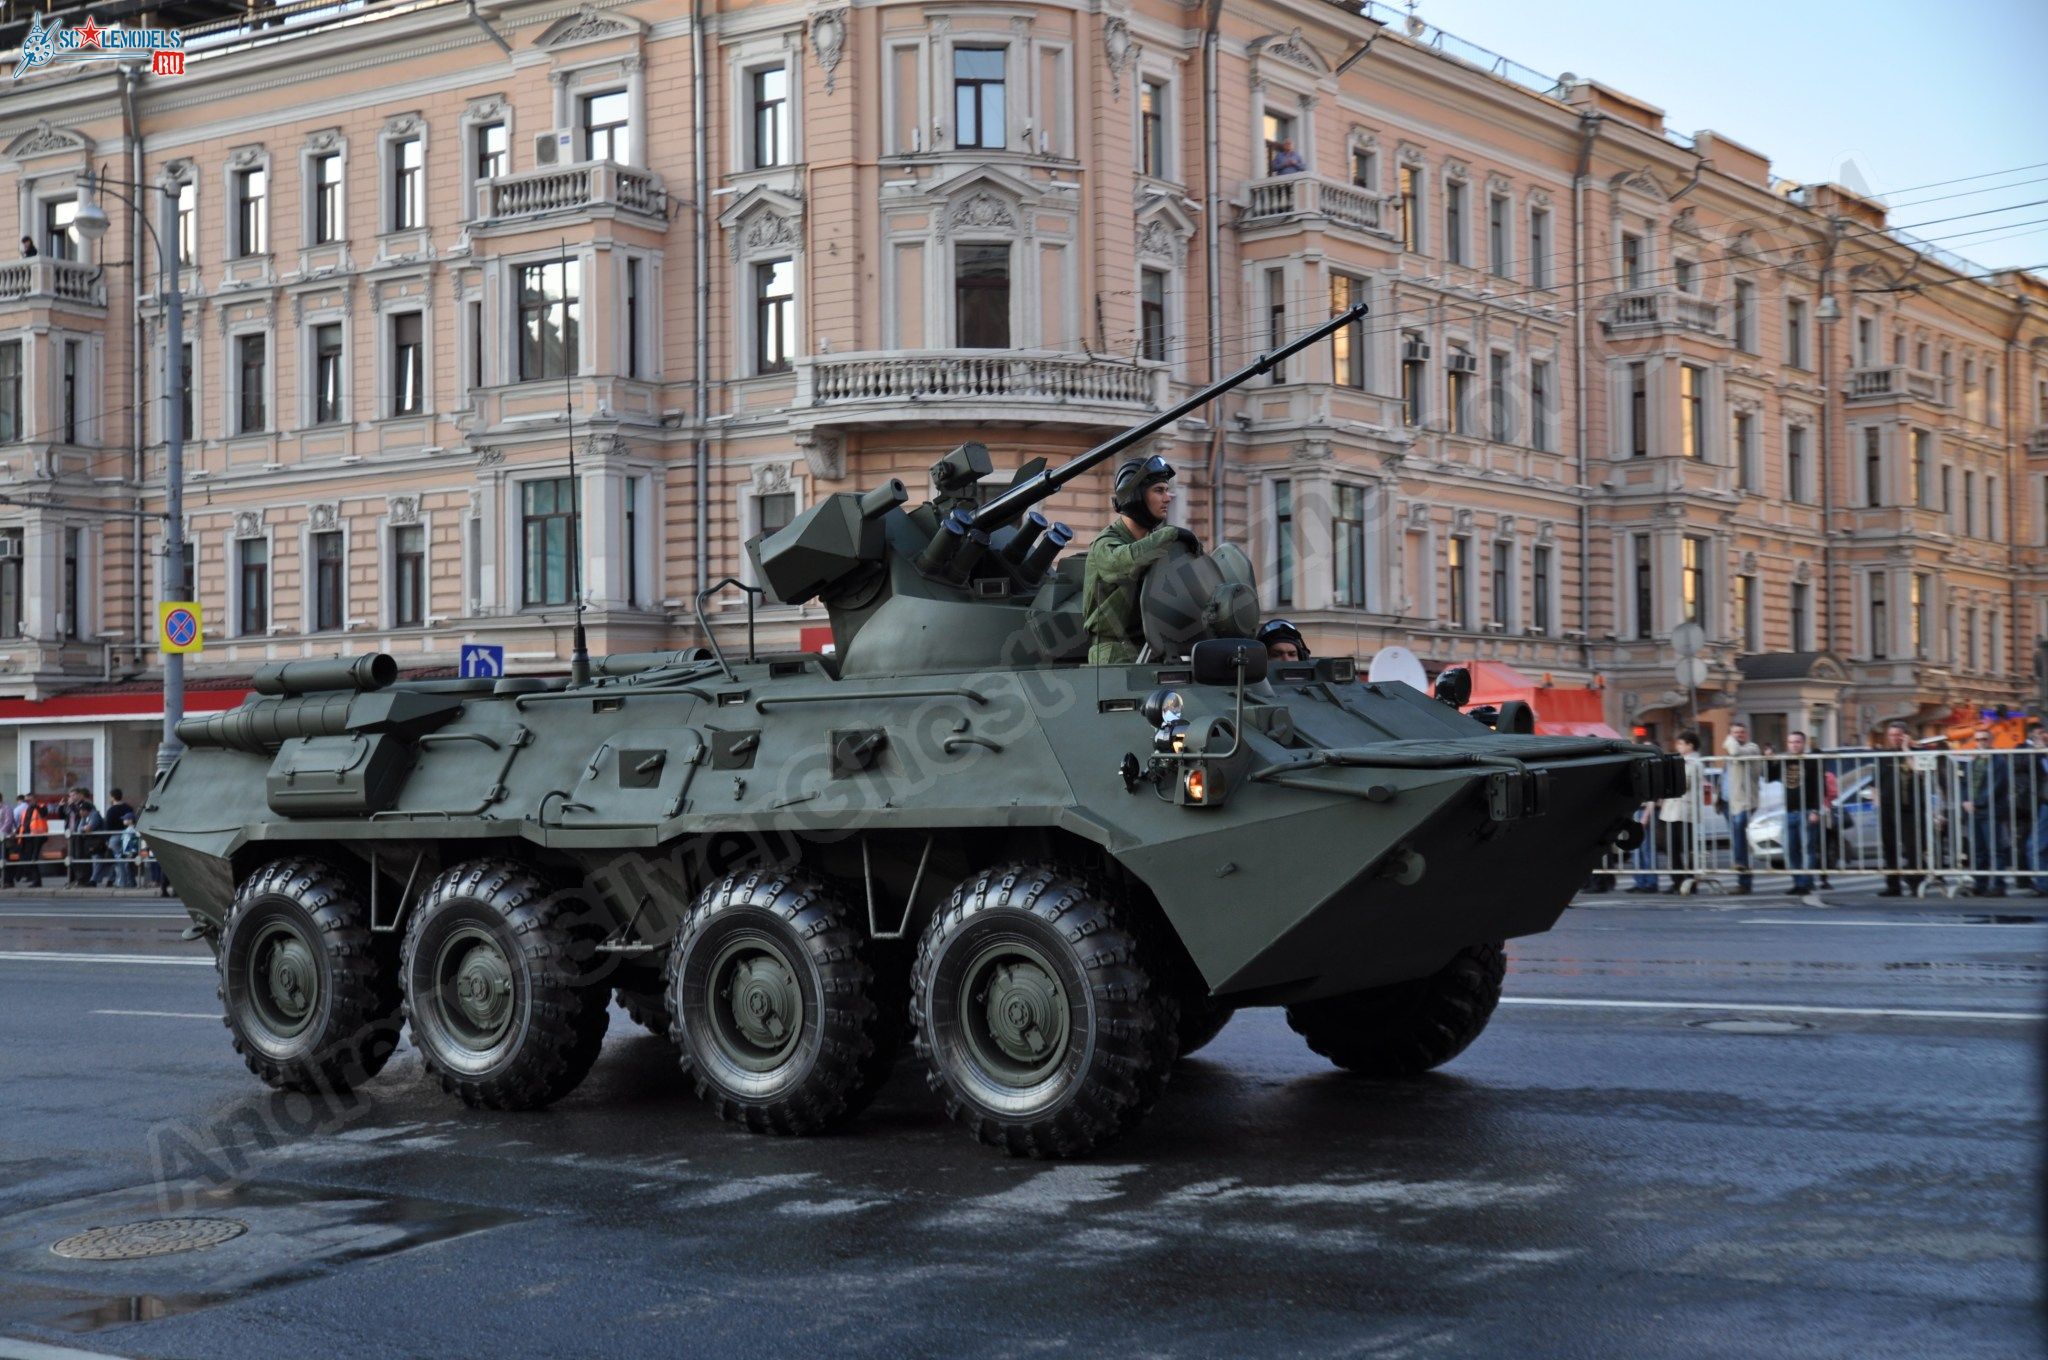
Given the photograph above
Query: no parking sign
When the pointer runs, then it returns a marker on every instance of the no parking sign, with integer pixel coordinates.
(179, 627)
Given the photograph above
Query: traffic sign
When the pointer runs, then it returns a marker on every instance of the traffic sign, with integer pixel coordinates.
(1692, 672)
(1688, 639)
(180, 627)
(482, 662)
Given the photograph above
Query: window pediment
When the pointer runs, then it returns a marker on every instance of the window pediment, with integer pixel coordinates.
(45, 140)
(588, 24)
(1289, 49)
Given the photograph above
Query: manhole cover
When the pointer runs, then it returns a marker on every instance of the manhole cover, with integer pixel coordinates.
(150, 1237)
(1752, 1026)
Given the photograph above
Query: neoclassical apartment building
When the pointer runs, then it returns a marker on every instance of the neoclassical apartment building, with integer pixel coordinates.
(743, 255)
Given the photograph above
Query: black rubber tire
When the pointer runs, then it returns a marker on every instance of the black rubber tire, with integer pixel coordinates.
(1407, 1028)
(1201, 1020)
(1119, 1040)
(839, 1054)
(545, 938)
(354, 1019)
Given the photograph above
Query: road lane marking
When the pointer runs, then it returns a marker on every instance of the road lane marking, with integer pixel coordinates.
(166, 1015)
(1595, 1003)
(31, 956)
(1900, 925)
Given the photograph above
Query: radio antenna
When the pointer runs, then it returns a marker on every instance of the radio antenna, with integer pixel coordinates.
(579, 643)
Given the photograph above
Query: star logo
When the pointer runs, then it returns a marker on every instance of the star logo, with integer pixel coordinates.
(89, 33)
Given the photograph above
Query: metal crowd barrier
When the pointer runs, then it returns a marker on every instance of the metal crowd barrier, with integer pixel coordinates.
(1946, 822)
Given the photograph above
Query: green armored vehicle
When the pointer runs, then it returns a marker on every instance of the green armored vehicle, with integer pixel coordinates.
(1052, 878)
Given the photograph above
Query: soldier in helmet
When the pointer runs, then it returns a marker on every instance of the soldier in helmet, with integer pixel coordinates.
(1123, 552)
(1283, 641)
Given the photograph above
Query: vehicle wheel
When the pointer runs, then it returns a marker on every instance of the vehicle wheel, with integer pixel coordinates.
(776, 1004)
(309, 994)
(498, 988)
(1406, 1028)
(1201, 1020)
(643, 995)
(1039, 1022)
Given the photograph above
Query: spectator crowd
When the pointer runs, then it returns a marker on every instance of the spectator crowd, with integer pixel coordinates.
(87, 846)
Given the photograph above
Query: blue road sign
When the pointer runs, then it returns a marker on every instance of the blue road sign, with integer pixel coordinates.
(479, 661)
(181, 627)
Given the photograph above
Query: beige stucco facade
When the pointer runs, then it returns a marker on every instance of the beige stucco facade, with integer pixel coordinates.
(856, 286)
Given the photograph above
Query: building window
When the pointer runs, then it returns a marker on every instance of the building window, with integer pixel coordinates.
(1692, 579)
(1461, 368)
(1692, 410)
(1969, 639)
(252, 221)
(72, 605)
(251, 352)
(1283, 541)
(1454, 222)
(1802, 595)
(1880, 620)
(1365, 168)
(1991, 508)
(490, 150)
(1411, 209)
(1745, 450)
(607, 127)
(1414, 379)
(1497, 234)
(475, 308)
(408, 176)
(1917, 606)
(1645, 601)
(549, 312)
(73, 375)
(1948, 496)
(773, 511)
(634, 360)
(326, 198)
(1152, 129)
(1632, 261)
(1152, 315)
(1539, 588)
(1539, 405)
(1746, 613)
(408, 576)
(981, 296)
(11, 586)
(1347, 546)
(188, 223)
(12, 427)
(252, 563)
(631, 547)
(774, 315)
(1276, 318)
(60, 241)
(1638, 410)
(1795, 463)
(1539, 247)
(1347, 345)
(1795, 333)
(1503, 580)
(548, 535)
(769, 89)
(1686, 274)
(1917, 443)
(185, 426)
(1459, 562)
(978, 97)
(1873, 467)
(408, 365)
(1279, 134)
(1745, 316)
(327, 373)
(330, 575)
(1969, 504)
(1499, 406)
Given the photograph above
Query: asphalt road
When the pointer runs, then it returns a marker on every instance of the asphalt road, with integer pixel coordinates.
(1849, 1168)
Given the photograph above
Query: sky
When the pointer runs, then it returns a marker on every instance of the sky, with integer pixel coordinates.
(1897, 95)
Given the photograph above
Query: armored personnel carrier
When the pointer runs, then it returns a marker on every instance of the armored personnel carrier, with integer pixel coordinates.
(1053, 879)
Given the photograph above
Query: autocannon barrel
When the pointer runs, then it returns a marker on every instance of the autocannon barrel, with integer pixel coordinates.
(361, 673)
(266, 724)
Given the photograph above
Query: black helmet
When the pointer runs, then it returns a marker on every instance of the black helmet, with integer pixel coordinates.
(1280, 630)
(1133, 475)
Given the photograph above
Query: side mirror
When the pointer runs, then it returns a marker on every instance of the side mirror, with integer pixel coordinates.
(1216, 661)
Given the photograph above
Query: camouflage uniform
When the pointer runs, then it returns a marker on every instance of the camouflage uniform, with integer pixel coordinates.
(1117, 563)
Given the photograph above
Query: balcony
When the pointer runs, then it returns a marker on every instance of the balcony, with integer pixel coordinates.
(585, 186)
(1646, 311)
(2037, 442)
(1895, 383)
(1016, 385)
(1285, 199)
(71, 281)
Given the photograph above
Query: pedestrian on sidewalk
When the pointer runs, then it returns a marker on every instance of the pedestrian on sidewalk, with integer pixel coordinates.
(1900, 788)
(114, 867)
(9, 845)
(1987, 802)
(2033, 791)
(32, 829)
(82, 824)
(1741, 788)
(1805, 796)
(1675, 816)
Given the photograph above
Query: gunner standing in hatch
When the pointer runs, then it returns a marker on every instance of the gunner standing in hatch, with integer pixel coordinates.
(1122, 553)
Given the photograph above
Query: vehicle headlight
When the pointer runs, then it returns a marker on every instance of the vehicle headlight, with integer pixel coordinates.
(1163, 707)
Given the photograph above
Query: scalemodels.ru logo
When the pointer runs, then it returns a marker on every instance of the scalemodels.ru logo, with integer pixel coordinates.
(49, 43)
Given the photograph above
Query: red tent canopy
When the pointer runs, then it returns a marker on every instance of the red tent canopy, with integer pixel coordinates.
(1560, 712)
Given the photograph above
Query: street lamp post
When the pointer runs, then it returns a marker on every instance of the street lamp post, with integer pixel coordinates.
(91, 223)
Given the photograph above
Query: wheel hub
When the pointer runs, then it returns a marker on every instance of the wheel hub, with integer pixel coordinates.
(284, 978)
(479, 979)
(1025, 1010)
(758, 1004)
(1015, 1013)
